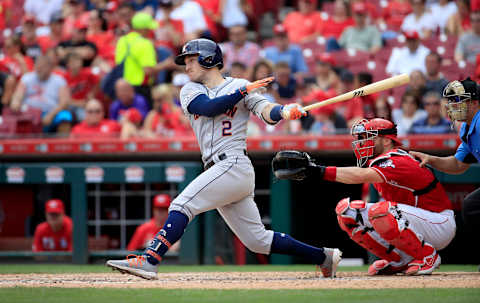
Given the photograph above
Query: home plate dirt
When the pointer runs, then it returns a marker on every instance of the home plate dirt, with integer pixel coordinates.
(244, 280)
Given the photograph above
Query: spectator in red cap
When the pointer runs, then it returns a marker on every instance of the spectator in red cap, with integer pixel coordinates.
(145, 232)
(408, 58)
(283, 51)
(334, 25)
(78, 44)
(94, 125)
(323, 125)
(361, 36)
(420, 20)
(56, 233)
(301, 25)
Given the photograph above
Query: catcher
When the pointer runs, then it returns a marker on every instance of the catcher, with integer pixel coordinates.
(407, 229)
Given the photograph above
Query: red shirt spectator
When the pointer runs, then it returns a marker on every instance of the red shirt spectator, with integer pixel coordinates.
(213, 15)
(395, 12)
(301, 25)
(4, 13)
(83, 83)
(334, 25)
(145, 232)
(56, 233)
(170, 33)
(14, 62)
(94, 125)
(98, 34)
(51, 40)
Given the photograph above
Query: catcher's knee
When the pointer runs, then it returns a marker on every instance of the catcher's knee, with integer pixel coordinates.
(383, 221)
(349, 214)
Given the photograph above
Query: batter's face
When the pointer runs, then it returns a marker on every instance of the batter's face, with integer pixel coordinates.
(193, 69)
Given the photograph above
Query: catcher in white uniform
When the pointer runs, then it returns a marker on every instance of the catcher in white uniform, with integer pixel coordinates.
(219, 109)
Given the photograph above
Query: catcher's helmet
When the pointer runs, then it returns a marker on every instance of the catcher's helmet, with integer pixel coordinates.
(457, 94)
(209, 53)
(365, 131)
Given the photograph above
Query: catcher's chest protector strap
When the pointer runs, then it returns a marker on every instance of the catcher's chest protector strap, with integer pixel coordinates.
(348, 214)
(388, 222)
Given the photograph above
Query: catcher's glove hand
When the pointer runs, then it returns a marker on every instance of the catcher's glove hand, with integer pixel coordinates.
(295, 165)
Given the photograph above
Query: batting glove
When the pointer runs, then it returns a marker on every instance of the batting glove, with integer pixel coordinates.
(293, 111)
(255, 86)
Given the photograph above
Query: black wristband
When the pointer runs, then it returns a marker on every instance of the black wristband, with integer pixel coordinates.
(315, 171)
(243, 90)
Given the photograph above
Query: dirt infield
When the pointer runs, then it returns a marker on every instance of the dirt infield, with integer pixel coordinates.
(244, 280)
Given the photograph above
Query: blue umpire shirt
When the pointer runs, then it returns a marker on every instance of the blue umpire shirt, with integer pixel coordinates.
(469, 150)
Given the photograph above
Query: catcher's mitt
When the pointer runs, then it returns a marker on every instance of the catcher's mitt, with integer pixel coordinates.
(292, 164)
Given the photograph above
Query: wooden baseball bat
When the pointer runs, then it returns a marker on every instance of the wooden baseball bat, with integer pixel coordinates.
(365, 90)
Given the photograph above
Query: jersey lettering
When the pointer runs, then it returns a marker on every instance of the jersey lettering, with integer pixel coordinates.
(227, 126)
(231, 112)
(195, 117)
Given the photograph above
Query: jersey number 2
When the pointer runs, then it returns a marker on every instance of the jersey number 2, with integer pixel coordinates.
(227, 126)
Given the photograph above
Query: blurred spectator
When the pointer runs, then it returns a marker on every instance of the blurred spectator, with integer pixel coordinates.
(361, 107)
(131, 122)
(435, 80)
(433, 123)
(418, 84)
(334, 25)
(468, 46)
(238, 49)
(140, 67)
(460, 22)
(324, 76)
(238, 70)
(75, 13)
(29, 38)
(145, 232)
(14, 61)
(408, 113)
(55, 34)
(94, 125)
(127, 98)
(48, 92)
(5, 13)
(212, 10)
(78, 44)
(7, 87)
(99, 35)
(283, 51)
(56, 233)
(301, 25)
(233, 13)
(361, 36)
(190, 13)
(145, 5)
(263, 69)
(420, 20)
(322, 124)
(394, 13)
(123, 18)
(382, 108)
(166, 119)
(408, 58)
(83, 84)
(42, 10)
(443, 10)
(285, 84)
(170, 32)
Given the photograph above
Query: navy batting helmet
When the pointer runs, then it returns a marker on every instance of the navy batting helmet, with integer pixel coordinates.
(209, 53)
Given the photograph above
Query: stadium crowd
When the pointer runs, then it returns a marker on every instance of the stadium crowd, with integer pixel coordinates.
(85, 68)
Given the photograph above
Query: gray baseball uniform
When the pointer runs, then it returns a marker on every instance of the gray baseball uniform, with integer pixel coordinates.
(228, 185)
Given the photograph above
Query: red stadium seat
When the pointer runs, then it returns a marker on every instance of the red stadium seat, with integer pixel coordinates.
(28, 120)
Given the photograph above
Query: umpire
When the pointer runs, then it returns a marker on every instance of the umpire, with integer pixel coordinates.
(463, 106)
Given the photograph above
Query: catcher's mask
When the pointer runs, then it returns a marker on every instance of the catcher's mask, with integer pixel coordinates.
(457, 94)
(364, 133)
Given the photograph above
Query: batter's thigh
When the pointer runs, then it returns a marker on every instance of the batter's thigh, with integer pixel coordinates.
(438, 229)
(244, 220)
(226, 182)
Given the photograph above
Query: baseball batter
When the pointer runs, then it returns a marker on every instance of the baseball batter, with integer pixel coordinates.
(219, 110)
(415, 220)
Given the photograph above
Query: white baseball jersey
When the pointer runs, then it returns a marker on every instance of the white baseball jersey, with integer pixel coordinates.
(226, 131)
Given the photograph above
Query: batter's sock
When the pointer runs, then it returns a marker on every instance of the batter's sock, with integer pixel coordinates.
(286, 245)
(171, 232)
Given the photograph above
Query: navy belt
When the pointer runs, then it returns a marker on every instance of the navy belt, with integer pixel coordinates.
(221, 157)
